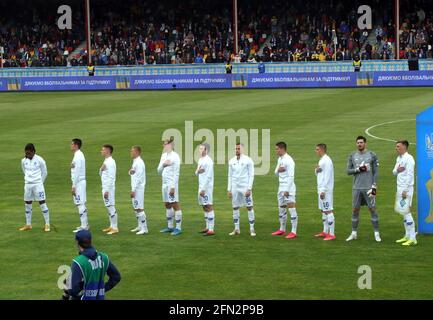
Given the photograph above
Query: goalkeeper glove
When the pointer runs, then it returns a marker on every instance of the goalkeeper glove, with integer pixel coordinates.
(372, 192)
(362, 167)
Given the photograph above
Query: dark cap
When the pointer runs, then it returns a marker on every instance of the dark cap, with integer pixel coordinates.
(83, 236)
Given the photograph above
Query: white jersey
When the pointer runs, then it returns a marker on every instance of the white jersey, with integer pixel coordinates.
(206, 178)
(286, 178)
(35, 170)
(138, 174)
(108, 175)
(241, 174)
(78, 168)
(405, 179)
(325, 175)
(170, 174)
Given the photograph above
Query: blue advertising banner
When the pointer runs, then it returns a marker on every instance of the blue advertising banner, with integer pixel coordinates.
(181, 81)
(219, 81)
(424, 154)
(302, 80)
(68, 83)
(403, 78)
(3, 84)
(59, 83)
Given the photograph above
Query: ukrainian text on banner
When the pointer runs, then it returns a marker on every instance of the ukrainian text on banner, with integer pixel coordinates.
(424, 154)
(60, 83)
(68, 83)
(184, 81)
(219, 81)
(302, 80)
(403, 78)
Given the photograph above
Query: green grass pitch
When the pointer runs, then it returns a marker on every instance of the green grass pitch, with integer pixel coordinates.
(192, 267)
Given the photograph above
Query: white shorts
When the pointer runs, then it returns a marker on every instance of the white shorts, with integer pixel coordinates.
(166, 197)
(284, 201)
(240, 200)
(402, 206)
(138, 200)
(34, 192)
(111, 201)
(207, 199)
(326, 204)
(80, 193)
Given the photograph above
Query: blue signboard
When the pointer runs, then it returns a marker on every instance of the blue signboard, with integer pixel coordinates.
(403, 78)
(3, 84)
(182, 81)
(424, 154)
(219, 81)
(302, 80)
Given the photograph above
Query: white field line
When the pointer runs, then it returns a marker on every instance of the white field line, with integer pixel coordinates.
(367, 131)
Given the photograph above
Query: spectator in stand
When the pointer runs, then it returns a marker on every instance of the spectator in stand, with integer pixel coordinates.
(198, 59)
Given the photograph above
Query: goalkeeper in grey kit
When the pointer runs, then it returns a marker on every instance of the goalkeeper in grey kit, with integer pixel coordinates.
(363, 165)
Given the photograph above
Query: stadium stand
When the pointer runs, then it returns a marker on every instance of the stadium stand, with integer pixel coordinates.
(134, 32)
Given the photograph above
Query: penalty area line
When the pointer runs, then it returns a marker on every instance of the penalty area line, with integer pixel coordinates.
(367, 131)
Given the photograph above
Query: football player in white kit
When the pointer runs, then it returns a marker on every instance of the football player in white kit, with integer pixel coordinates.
(404, 170)
(205, 175)
(78, 178)
(169, 169)
(285, 170)
(240, 186)
(108, 180)
(35, 173)
(325, 189)
(138, 182)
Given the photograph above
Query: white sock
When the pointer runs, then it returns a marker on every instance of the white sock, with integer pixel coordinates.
(28, 214)
(406, 229)
(142, 222)
(113, 216)
(410, 226)
(178, 217)
(331, 223)
(169, 213)
(325, 222)
(206, 217)
(236, 218)
(294, 219)
(251, 218)
(82, 211)
(137, 215)
(45, 213)
(211, 220)
(282, 215)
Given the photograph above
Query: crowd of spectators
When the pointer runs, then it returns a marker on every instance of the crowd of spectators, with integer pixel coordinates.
(31, 38)
(183, 32)
(416, 33)
(137, 32)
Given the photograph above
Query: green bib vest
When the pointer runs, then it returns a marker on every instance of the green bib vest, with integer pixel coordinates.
(94, 272)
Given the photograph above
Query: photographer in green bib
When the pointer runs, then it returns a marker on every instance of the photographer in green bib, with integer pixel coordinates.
(89, 268)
